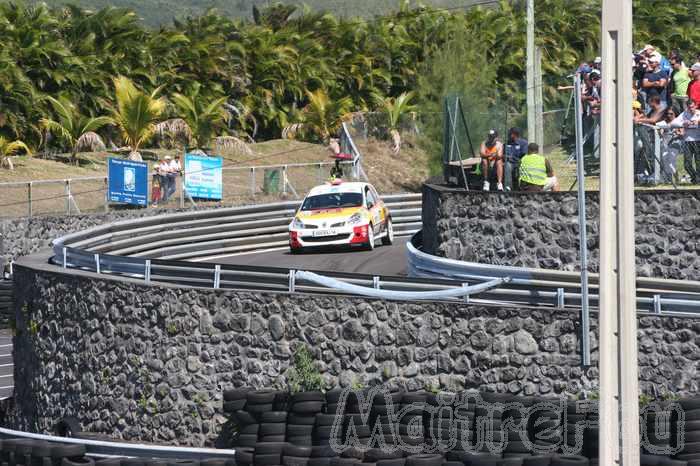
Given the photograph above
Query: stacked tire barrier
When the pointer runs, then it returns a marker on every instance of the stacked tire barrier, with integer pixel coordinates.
(427, 429)
(29, 452)
(6, 302)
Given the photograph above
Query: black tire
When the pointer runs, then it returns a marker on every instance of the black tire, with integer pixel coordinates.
(517, 446)
(157, 462)
(299, 430)
(233, 406)
(325, 419)
(261, 397)
(388, 239)
(414, 397)
(392, 462)
(307, 396)
(142, 462)
(308, 407)
(67, 451)
(110, 462)
(302, 420)
(295, 461)
(244, 418)
(377, 454)
(250, 429)
(213, 462)
(258, 409)
(333, 409)
(305, 441)
(691, 426)
(296, 251)
(67, 427)
(272, 429)
(488, 460)
(273, 438)
(267, 460)
(649, 460)
(298, 451)
(569, 461)
(691, 437)
(452, 463)
(514, 461)
(319, 461)
(273, 417)
(692, 415)
(333, 396)
(246, 440)
(669, 462)
(236, 394)
(690, 448)
(79, 461)
(323, 452)
(424, 460)
(244, 456)
(537, 461)
(338, 461)
(688, 456)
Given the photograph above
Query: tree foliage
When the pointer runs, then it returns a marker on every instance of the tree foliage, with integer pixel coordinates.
(267, 72)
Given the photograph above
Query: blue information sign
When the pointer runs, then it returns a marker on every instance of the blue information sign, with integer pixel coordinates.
(203, 176)
(128, 182)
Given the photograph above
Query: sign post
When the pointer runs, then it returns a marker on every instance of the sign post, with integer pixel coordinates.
(127, 182)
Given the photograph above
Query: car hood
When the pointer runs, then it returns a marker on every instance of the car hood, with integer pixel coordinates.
(327, 214)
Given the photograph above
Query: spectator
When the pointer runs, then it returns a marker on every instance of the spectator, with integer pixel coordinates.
(670, 148)
(516, 149)
(680, 78)
(156, 192)
(597, 63)
(689, 120)
(654, 81)
(694, 86)
(492, 159)
(655, 113)
(174, 169)
(164, 170)
(536, 173)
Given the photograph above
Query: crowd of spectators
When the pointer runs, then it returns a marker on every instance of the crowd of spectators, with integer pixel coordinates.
(666, 99)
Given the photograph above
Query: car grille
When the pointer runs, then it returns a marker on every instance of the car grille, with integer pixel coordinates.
(338, 225)
(323, 239)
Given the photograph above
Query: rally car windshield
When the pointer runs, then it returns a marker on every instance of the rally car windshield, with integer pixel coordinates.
(332, 201)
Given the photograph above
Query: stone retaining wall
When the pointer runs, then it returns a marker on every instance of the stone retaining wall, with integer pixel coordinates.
(540, 230)
(150, 363)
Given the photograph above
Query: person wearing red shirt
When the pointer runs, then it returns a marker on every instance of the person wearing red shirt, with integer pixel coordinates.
(694, 86)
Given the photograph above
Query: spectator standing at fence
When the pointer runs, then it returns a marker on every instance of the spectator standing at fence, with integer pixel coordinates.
(174, 169)
(680, 79)
(654, 81)
(655, 113)
(670, 138)
(491, 152)
(156, 180)
(165, 178)
(516, 149)
(689, 121)
(694, 86)
(536, 173)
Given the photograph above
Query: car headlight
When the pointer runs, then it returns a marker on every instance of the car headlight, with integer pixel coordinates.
(355, 219)
(297, 224)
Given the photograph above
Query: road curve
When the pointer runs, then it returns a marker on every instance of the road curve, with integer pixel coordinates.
(384, 260)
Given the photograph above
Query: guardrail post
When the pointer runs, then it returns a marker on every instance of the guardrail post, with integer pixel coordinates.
(182, 191)
(560, 298)
(106, 180)
(657, 157)
(217, 277)
(65, 258)
(67, 194)
(147, 272)
(466, 297)
(284, 180)
(292, 281)
(657, 304)
(29, 198)
(376, 283)
(252, 181)
(97, 263)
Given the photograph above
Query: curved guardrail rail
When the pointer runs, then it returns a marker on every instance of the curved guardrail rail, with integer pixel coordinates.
(659, 296)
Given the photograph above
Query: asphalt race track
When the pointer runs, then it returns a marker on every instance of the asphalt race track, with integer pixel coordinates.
(384, 260)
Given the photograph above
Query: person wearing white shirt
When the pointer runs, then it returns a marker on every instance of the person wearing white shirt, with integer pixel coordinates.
(689, 120)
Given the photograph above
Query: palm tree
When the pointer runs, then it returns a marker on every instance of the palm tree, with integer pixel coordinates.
(322, 116)
(77, 131)
(136, 113)
(394, 109)
(8, 149)
(203, 116)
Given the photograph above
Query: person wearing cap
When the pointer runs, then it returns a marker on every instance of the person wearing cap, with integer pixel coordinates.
(597, 63)
(694, 86)
(516, 148)
(680, 79)
(174, 169)
(654, 81)
(164, 170)
(689, 121)
(491, 152)
(536, 173)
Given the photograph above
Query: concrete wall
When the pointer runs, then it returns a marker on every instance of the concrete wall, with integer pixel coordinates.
(150, 363)
(541, 229)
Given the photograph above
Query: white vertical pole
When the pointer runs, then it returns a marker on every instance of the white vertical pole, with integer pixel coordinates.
(619, 385)
(539, 100)
(530, 72)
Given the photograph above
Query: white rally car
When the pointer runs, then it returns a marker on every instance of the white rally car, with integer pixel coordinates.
(341, 214)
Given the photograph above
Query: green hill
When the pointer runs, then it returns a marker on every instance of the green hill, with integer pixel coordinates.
(158, 12)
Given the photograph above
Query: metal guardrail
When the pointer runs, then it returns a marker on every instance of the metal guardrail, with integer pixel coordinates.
(656, 296)
(99, 448)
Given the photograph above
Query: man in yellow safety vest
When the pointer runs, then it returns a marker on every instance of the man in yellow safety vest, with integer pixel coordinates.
(536, 172)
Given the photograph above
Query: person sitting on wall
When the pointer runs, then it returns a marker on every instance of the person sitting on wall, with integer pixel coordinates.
(492, 159)
(536, 173)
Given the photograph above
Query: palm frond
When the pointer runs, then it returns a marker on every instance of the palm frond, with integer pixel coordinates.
(90, 142)
(232, 144)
